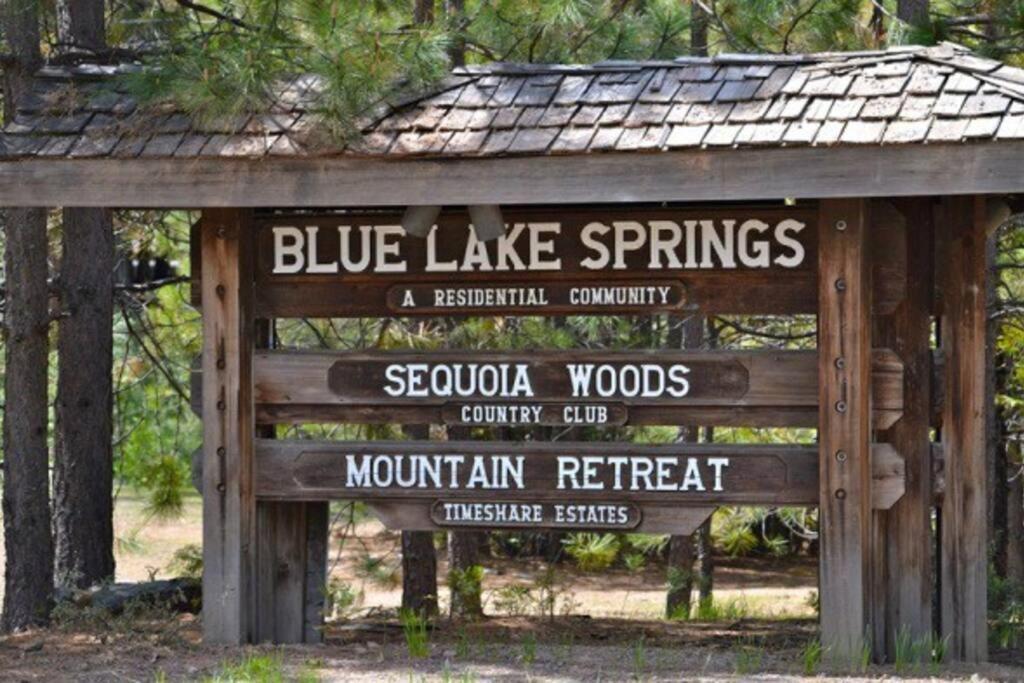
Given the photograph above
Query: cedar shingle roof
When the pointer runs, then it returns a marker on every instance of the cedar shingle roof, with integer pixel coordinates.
(898, 96)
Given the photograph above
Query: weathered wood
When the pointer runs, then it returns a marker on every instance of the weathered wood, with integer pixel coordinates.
(281, 572)
(964, 529)
(229, 510)
(318, 526)
(754, 388)
(754, 475)
(844, 431)
(607, 263)
(656, 519)
(902, 554)
(705, 175)
(749, 293)
(291, 555)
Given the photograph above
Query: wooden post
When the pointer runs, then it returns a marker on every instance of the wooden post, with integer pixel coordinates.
(964, 558)
(844, 430)
(229, 503)
(291, 555)
(291, 571)
(902, 551)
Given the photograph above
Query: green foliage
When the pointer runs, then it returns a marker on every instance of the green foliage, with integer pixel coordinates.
(634, 561)
(810, 656)
(648, 545)
(639, 652)
(1006, 611)
(253, 668)
(187, 561)
(380, 570)
(466, 585)
(342, 599)
(515, 599)
(414, 628)
(749, 658)
(592, 552)
(528, 654)
(737, 538)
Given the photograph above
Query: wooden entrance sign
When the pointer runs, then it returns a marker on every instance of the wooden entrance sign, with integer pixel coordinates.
(826, 258)
(751, 388)
(758, 259)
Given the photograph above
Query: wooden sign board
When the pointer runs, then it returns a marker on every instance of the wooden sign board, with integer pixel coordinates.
(551, 485)
(753, 388)
(551, 261)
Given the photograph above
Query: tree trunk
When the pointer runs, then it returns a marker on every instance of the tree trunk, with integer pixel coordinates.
(680, 577)
(28, 579)
(456, 9)
(463, 574)
(698, 30)
(688, 334)
(464, 560)
(912, 11)
(423, 11)
(28, 586)
(705, 559)
(419, 573)
(83, 458)
(419, 558)
(81, 27)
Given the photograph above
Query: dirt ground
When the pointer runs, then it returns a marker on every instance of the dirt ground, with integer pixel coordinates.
(497, 649)
(608, 627)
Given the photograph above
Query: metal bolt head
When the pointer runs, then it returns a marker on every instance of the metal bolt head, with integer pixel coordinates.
(221, 291)
(841, 285)
(221, 451)
(840, 493)
(840, 225)
(221, 488)
(221, 232)
(841, 456)
(840, 406)
(840, 363)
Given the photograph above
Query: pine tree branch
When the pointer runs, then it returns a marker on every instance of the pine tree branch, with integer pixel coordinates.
(209, 11)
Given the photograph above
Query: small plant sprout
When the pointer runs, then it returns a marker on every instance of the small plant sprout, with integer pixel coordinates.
(749, 658)
(639, 657)
(810, 656)
(414, 627)
(529, 649)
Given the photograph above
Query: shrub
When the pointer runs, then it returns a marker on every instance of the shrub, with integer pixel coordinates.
(592, 552)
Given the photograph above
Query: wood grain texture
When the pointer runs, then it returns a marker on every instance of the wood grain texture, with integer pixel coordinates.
(757, 475)
(902, 555)
(414, 515)
(706, 175)
(964, 528)
(229, 504)
(752, 388)
(844, 431)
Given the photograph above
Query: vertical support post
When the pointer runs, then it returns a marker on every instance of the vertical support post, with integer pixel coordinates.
(964, 559)
(291, 556)
(228, 429)
(291, 571)
(844, 424)
(903, 542)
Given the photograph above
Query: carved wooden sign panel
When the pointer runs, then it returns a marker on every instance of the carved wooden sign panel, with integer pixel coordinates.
(580, 485)
(760, 388)
(550, 261)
